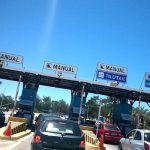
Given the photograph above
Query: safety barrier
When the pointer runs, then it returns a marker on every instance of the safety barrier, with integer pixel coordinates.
(19, 128)
(86, 128)
(17, 119)
(90, 137)
(17, 124)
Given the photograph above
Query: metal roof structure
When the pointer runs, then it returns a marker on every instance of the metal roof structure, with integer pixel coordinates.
(10, 73)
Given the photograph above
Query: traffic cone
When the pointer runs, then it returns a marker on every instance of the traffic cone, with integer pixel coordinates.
(7, 132)
(101, 142)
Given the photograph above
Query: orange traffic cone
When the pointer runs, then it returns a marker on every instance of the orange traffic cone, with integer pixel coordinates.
(7, 132)
(101, 142)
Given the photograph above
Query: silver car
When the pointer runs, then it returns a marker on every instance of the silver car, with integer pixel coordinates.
(137, 139)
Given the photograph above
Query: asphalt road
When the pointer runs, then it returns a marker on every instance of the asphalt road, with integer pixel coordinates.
(25, 142)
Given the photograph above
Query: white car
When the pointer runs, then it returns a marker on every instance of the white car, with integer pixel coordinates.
(137, 139)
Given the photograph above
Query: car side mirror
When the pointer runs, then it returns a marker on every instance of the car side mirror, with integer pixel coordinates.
(130, 137)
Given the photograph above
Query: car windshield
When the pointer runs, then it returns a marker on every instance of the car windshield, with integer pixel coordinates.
(61, 127)
(147, 137)
(111, 127)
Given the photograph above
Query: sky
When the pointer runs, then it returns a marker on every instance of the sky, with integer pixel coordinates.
(79, 33)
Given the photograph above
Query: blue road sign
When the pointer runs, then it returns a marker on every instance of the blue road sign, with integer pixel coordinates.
(111, 76)
(147, 83)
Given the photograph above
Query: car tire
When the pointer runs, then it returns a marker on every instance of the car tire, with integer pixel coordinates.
(120, 146)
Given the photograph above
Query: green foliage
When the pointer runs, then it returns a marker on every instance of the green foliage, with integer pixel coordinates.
(143, 117)
(6, 101)
(92, 107)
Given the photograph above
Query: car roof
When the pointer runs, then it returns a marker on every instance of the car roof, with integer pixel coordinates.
(142, 130)
(46, 115)
(62, 120)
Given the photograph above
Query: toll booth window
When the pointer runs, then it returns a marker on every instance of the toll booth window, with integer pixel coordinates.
(137, 136)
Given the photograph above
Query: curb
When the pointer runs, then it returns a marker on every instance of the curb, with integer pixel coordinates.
(14, 136)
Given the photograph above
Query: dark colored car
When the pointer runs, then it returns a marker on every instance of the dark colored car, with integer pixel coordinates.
(42, 117)
(111, 132)
(58, 134)
(87, 122)
(5, 109)
(2, 118)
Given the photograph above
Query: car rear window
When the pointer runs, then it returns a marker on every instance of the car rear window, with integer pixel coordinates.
(61, 127)
(147, 137)
(111, 127)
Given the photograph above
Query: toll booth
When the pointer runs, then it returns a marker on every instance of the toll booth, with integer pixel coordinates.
(122, 115)
(76, 97)
(27, 102)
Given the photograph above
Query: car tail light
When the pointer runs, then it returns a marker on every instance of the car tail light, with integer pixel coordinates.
(82, 143)
(37, 138)
(146, 146)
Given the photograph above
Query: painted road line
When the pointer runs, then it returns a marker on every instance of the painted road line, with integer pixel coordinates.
(12, 147)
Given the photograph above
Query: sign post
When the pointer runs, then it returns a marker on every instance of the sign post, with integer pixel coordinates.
(16, 95)
(99, 114)
(80, 111)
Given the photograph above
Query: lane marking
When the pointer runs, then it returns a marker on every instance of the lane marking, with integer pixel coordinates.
(5, 142)
(12, 147)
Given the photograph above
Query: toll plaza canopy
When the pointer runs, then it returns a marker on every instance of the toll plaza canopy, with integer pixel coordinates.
(10, 73)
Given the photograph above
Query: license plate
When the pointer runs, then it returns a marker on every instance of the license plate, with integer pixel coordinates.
(113, 134)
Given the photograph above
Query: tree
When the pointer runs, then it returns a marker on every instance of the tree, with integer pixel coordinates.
(92, 107)
(63, 107)
(47, 102)
(143, 114)
(38, 103)
(106, 107)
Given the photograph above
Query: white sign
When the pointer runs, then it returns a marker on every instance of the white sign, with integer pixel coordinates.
(147, 76)
(60, 67)
(112, 69)
(11, 57)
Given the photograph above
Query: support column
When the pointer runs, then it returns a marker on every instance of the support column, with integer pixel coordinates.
(76, 97)
(122, 114)
(27, 98)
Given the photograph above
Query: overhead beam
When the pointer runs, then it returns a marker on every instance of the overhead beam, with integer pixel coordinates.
(73, 84)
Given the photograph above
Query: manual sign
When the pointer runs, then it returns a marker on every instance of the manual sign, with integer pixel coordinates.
(112, 72)
(112, 68)
(11, 58)
(60, 67)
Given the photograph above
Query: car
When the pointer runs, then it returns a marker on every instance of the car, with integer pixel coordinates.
(41, 117)
(111, 132)
(5, 109)
(136, 139)
(2, 118)
(88, 122)
(58, 134)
